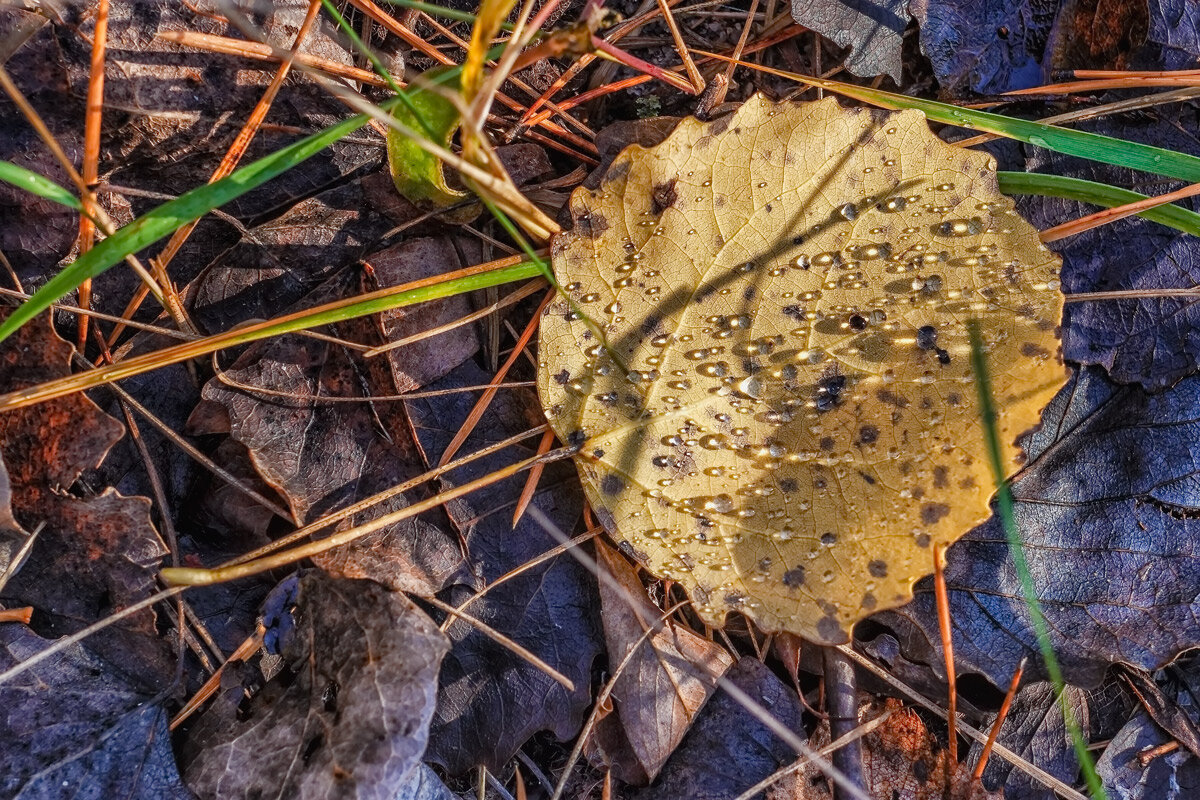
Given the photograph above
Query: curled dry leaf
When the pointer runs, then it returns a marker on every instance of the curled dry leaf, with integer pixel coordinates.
(782, 414)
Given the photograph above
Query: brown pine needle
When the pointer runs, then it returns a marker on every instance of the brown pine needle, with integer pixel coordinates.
(502, 640)
(943, 610)
(986, 753)
(1128, 82)
(188, 576)
(259, 52)
(244, 651)
(1077, 226)
(535, 475)
(485, 399)
(91, 156)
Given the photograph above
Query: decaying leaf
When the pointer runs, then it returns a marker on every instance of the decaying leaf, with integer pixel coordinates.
(346, 717)
(782, 415)
(901, 758)
(666, 677)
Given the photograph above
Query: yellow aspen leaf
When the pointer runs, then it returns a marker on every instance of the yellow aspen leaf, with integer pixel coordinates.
(781, 415)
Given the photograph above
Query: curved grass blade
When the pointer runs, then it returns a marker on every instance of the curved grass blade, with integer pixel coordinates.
(34, 183)
(1100, 194)
(176, 213)
(464, 280)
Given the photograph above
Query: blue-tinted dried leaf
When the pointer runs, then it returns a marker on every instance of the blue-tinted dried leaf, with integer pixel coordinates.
(872, 29)
(988, 46)
(728, 749)
(1106, 510)
(1149, 340)
(1176, 24)
(1172, 776)
(76, 726)
(1034, 729)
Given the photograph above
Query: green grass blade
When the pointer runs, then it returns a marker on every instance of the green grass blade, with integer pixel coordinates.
(1008, 519)
(33, 183)
(170, 216)
(1092, 146)
(351, 308)
(1100, 194)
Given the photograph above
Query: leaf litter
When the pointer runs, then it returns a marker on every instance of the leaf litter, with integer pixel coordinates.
(735, 741)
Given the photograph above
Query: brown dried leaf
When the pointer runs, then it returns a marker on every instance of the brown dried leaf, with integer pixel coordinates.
(662, 687)
(784, 418)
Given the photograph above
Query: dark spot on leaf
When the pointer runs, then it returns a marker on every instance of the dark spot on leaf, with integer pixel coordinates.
(826, 443)
(943, 356)
(868, 434)
(870, 479)
(311, 748)
(591, 225)
(941, 476)
(735, 599)
(794, 578)
(788, 485)
(749, 293)
(920, 771)
(1031, 350)
(794, 312)
(858, 322)
(598, 453)
(927, 337)
(830, 631)
(330, 695)
(869, 601)
(877, 568)
(891, 398)
(611, 484)
(931, 513)
(562, 377)
(664, 196)
(922, 540)
(576, 438)
(650, 324)
(828, 538)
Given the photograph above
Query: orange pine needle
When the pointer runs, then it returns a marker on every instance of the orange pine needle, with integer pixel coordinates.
(22, 615)
(1077, 226)
(535, 475)
(486, 398)
(995, 732)
(91, 155)
(943, 609)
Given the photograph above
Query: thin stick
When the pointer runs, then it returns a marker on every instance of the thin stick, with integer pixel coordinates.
(502, 640)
